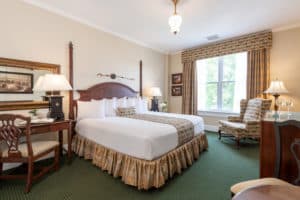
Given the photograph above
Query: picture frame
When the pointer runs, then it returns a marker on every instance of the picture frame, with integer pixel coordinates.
(177, 78)
(16, 82)
(176, 90)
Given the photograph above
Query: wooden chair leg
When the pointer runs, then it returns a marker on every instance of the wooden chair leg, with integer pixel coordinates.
(232, 194)
(237, 142)
(29, 175)
(220, 134)
(1, 168)
(56, 158)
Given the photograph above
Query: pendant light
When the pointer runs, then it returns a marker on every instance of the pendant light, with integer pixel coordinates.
(175, 20)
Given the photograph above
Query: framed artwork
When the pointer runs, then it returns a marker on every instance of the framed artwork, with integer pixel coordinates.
(15, 82)
(177, 78)
(177, 90)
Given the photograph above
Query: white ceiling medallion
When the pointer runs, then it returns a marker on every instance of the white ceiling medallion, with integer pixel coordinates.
(175, 20)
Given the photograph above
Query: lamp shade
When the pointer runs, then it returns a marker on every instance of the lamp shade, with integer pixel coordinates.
(38, 84)
(175, 23)
(52, 82)
(276, 87)
(155, 92)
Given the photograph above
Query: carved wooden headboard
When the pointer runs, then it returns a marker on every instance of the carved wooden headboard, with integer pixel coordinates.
(106, 90)
(101, 90)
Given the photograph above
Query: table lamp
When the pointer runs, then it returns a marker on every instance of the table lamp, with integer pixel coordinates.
(51, 83)
(276, 88)
(155, 92)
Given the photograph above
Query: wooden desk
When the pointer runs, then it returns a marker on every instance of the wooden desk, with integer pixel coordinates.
(269, 192)
(59, 127)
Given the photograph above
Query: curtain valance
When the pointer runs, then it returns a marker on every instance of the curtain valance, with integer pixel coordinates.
(254, 41)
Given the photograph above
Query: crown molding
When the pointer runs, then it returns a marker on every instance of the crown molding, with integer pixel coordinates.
(171, 53)
(60, 12)
(287, 27)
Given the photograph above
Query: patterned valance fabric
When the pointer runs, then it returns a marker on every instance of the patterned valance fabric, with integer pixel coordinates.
(254, 41)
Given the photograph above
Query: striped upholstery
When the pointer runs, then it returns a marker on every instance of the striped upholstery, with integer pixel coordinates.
(38, 147)
(253, 110)
(251, 113)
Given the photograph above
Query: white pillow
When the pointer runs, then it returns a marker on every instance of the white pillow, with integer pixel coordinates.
(132, 102)
(145, 105)
(141, 105)
(90, 109)
(110, 107)
(122, 102)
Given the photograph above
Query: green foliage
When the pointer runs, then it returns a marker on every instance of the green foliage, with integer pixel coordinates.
(211, 96)
(33, 112)
(228, 82)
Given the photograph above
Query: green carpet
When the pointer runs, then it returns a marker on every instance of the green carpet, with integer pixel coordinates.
(208, 179)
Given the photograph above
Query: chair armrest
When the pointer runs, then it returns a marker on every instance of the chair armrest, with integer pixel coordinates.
(252, 124)
(234, 119)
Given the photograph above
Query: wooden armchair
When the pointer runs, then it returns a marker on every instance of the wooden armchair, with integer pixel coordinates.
(247, 124)
(12, 127)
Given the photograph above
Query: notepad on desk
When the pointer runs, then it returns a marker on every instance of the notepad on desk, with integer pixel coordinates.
(37, 121)
(43, 120)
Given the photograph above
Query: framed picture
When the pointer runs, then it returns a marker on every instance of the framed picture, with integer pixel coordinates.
(177, 78)
(15, 82)
(177, 90)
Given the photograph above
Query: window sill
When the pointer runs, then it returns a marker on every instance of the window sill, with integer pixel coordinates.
(216, 114)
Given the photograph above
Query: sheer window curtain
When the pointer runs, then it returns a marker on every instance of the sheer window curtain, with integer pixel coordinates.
(189, 95)
(258, 73)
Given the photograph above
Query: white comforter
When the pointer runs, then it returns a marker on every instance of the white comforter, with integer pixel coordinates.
(137, 138)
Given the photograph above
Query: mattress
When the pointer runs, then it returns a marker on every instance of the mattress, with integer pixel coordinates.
(137, 138)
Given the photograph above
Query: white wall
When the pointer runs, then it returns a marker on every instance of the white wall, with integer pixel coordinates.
(31, 33)
(175, 66)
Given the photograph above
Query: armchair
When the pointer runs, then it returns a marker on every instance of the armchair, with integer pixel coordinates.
(247, 124)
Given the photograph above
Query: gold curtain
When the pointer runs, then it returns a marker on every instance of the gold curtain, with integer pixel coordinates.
(258, 72)
(189, 96)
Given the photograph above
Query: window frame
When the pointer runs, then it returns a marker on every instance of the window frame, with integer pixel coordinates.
(220, 84)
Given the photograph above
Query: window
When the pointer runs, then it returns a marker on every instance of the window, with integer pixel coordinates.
(222, 82)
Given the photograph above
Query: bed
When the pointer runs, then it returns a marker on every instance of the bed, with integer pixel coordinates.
(143, 153)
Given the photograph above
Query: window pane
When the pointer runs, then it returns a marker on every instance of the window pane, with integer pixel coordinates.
(224, 94)
(229, 65)
(212, 69)
(211, 96)
(228, 95)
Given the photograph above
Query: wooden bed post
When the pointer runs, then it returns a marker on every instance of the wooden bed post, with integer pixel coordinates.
(71, 96)
(141, 78)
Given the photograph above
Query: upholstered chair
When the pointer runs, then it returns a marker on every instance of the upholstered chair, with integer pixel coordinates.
(12, 128)
(247, 124)
(276, 180)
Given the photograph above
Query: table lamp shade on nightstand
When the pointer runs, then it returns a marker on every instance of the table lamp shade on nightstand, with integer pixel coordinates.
(155, 92)
(276, 89)
(53, 82)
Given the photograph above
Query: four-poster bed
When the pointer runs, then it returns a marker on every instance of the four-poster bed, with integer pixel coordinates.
(143, 152)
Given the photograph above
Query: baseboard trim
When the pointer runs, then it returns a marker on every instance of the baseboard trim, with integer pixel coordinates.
(211, 128)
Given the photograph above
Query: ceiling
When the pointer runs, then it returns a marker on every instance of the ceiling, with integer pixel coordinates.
(146, 22)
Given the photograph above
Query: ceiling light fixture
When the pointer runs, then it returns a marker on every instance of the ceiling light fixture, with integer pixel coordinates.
(175, 20)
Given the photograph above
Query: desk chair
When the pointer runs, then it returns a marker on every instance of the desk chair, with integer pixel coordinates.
(12, 127)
